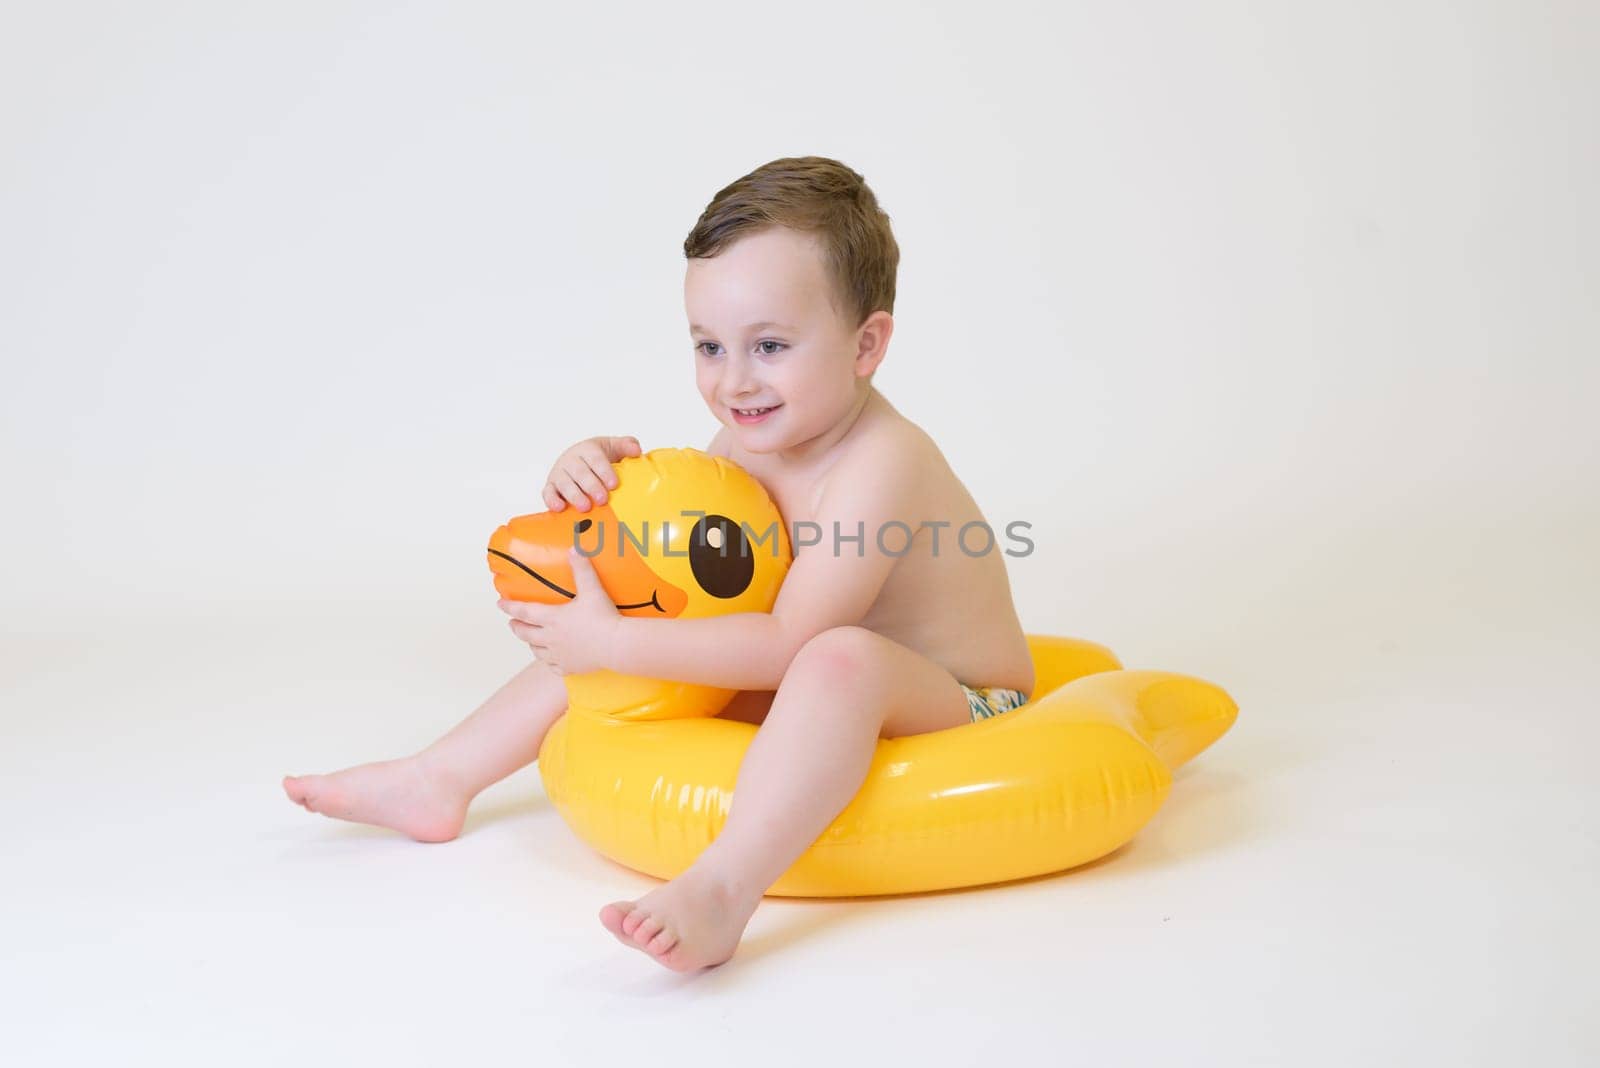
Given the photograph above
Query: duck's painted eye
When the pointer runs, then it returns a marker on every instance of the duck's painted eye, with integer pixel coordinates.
(583, 525)
(721, 557)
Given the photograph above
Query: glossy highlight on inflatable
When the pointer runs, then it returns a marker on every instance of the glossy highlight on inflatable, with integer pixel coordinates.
(643, 771)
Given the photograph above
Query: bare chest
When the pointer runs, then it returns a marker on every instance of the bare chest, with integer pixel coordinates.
(796, 493)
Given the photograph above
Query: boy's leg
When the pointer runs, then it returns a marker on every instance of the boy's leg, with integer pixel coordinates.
(846, 688)
(426, 795)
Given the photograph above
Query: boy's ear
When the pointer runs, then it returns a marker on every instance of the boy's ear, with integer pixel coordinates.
(872, 342)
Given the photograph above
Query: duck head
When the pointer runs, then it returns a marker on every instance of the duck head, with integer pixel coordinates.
(684, 535)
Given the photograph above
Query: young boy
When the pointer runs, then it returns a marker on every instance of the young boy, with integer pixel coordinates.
(789, 290)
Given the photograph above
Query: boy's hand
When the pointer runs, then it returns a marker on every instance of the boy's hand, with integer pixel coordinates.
(583, 473)
(574, 637)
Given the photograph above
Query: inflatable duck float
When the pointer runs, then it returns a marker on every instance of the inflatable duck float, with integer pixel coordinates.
(643, 771)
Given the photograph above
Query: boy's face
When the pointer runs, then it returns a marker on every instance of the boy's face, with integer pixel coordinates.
(767, 336)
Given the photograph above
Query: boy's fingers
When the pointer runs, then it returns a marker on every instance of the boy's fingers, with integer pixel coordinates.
(583, 574)
(552, 499)
(590, 482)
(534, 636)
(604, 479)
(527, 612)
(569, 489)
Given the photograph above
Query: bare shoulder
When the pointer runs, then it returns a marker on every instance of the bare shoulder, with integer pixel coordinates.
(896, 442)
(719, 444)
(892, 452)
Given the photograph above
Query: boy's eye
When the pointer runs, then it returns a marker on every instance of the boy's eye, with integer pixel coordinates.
(705, 347)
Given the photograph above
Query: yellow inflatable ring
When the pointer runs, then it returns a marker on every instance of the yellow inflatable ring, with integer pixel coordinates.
(643, 772)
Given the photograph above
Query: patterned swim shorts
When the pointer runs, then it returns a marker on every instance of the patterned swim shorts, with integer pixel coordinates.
(986, 701)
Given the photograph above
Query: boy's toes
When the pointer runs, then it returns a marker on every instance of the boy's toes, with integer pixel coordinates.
(613, 916)
(298, 789)
(664, 940)
(632, 921)
(647, 930)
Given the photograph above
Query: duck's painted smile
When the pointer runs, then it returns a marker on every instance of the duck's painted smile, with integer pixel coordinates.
(651, 603)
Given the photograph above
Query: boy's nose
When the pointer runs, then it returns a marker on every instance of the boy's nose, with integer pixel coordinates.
(736, 379)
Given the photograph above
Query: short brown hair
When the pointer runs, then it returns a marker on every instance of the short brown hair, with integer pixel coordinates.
(818, 196)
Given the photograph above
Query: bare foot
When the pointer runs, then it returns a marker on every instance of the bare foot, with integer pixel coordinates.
(695, 921)
(404, 795)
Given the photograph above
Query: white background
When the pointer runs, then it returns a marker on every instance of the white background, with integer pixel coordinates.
(1277, 322)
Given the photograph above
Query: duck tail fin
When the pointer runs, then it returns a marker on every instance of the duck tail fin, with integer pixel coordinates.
(1179, 716)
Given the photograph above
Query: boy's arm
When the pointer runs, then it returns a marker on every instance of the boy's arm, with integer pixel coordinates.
(823, 589)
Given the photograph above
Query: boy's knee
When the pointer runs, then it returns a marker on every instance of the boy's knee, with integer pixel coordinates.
(840, 653)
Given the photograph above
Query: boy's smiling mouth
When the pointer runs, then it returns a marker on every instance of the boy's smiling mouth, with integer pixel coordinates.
(753, 415)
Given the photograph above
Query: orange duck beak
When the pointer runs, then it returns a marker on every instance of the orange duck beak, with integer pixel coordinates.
(528, 556)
